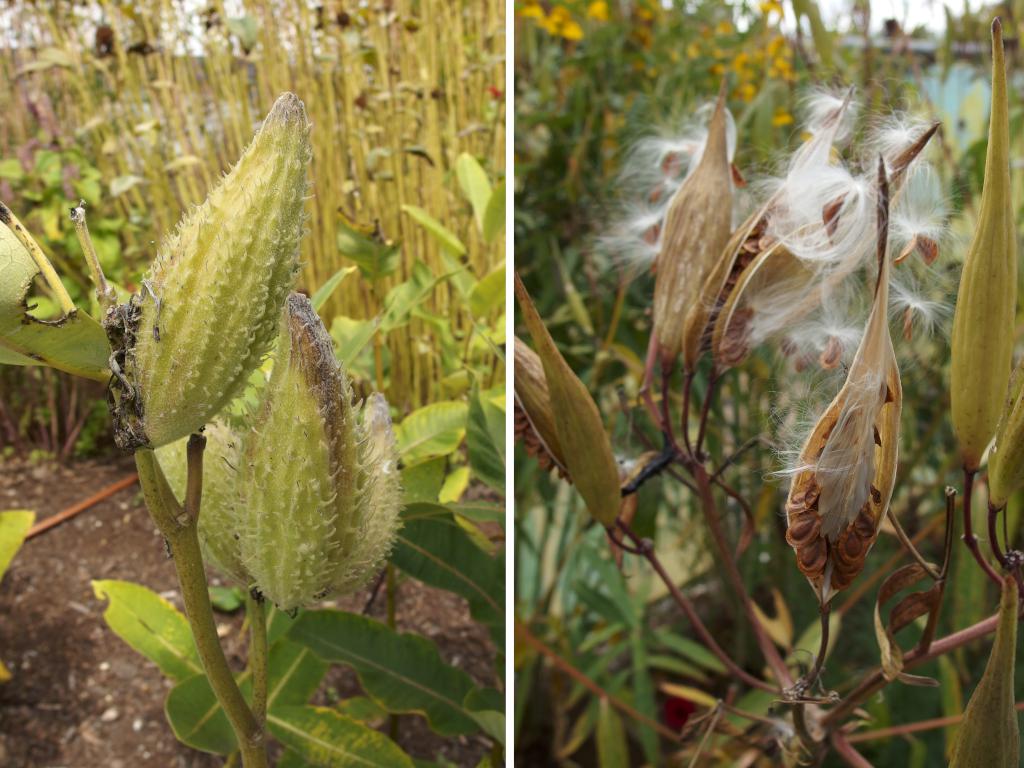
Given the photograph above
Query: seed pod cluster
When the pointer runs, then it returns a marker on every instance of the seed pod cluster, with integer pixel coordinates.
(696, 229)
(185, 345)
(847, 467)
(578, 426)
(982, 341)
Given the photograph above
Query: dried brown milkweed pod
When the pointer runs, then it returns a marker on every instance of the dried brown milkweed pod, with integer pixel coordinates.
(696, 229)
(982, 342)
(534, 419)
(578, 426)
(847, 467)
(989, 736)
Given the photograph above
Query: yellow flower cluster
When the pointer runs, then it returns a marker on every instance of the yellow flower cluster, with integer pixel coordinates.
(770, 58)
(559, 22)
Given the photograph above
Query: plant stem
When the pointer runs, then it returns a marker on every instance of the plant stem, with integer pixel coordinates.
(255, 608)
(181, 532)
(646, 550)
(846, 751)
(969, 538)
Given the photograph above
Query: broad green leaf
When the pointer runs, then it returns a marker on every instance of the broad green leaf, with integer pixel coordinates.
(323, 293)
(404, 297)
(448, 239)
(11, 169)
(76, 344)
(487, 706)
(401, 672)
(327, 739)
(351, 337)
(362, 708)
(14, 525)
(374, 257)
(481, 511)
(432, 547)
(150, 625)
(485, 440)
(494, 216)
(612, 749)
(689, 649)
(226, 599)
(455, 484)
(475, 186)
(434, 430)
(488, 294)
(423, 481)
(293, 676)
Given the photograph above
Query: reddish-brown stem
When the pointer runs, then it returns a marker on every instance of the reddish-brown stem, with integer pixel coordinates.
(849, 755)
(876, 680)
(969, 538)
(646, 548)
(993, 537)
(710, 510)
(704, 410)
(907, 728)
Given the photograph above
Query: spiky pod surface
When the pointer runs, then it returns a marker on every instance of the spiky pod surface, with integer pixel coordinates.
(218, 526)
(319, 491)
(213, 297)
(846, 470)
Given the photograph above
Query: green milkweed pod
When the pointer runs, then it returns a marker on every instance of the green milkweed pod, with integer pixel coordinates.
(578, 426)
(982, 343)
(184, 346)
(217, 523)
(1006, 462)
(697, 227)
(318, 481)
(535, 421)
(989, 736)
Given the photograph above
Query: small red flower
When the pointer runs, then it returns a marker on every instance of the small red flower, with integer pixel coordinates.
(496, 93)
(677, 711)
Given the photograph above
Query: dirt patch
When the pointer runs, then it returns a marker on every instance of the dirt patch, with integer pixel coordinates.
(81, 698)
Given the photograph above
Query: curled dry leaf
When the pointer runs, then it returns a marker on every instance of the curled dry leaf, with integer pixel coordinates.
(696, 230)
(903, 613)
(989, 736)
(847, 467)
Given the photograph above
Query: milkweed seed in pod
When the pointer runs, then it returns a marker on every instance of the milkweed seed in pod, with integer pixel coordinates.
(982, 342)
(847, 467)
(218, 526)
(578, 426)
(319, 491)
(184, 346)
(534, 420)
(1006, 461)
(696, 230)
(989, 736)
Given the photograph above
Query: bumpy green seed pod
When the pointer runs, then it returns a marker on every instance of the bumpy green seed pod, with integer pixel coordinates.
(1006, 462)
(987, 301)
(218, 527)
(185, 345)
(319, 491)
(989, 736)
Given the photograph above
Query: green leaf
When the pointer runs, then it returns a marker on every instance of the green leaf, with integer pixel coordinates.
(122, 184)
(14, 525)
(488, 707)
(351, 336)
(150, 625)
(374, 257)
(488, 294)
(77, 344)
(362, 708)
(448, 239)
(612, 750)
(434, 430)
(11, 170)
(293, 674)
(455, 484)
(494, 217)
(689, 649)
(432, 547)
(327, 739)
(404, 297)
(423, 481)
(226, 599)
(485, 438)
(475, 186)
(323, 293)
(401, 672)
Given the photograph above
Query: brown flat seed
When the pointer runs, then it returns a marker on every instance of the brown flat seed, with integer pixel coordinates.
(803, 529)
(812, 557)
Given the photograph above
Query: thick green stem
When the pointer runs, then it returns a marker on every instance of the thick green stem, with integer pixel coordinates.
(180, 530)
(257, 612)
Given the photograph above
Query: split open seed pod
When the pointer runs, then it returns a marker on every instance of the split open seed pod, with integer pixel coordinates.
(989, 736)
(696, 230)
(982, 342)
(184, 346)
(578, 426)
(1006, 461)
(847, 467)
(534, 419)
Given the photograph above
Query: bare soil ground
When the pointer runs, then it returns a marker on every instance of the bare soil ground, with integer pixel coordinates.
(81, 698)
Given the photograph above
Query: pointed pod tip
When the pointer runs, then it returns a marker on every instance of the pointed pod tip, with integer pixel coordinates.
(997, 29)
(287, 110)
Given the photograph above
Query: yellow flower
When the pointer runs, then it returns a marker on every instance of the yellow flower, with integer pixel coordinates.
(776, 44)
(746, 92)
(724, 28)
(717, 70)
(770, 5)
(781, 117)
(532, 9)
(741, 60)
(598, 10)
(692, 51)
(560, 23)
